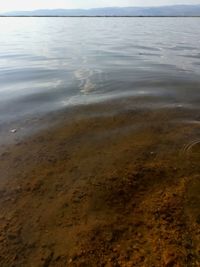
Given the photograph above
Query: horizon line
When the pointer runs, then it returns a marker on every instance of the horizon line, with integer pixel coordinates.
(98, 16)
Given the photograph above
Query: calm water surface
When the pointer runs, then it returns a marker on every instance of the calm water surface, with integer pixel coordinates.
(48, 64)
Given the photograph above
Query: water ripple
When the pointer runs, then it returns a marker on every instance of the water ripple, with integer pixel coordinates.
(46, 63)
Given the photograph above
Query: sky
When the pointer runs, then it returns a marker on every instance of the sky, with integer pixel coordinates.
(13, 5)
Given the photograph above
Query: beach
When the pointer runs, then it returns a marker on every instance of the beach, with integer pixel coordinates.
(105, 185)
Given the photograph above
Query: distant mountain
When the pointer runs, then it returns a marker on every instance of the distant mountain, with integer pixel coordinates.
(176, 10)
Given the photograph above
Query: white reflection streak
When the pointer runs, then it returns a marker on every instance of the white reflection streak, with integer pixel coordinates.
(84, 77)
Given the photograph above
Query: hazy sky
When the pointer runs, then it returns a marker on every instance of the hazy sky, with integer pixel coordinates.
(7, 5)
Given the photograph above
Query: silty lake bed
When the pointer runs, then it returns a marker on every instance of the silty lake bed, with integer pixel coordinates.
(99, 142)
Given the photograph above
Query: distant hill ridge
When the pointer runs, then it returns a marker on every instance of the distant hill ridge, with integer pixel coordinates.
(175, 10)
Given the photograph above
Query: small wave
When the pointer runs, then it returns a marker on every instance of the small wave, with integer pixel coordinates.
(189, 146)
(181, 48)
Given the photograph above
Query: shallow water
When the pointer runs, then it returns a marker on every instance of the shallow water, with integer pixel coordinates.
(48, 64)
(116, 176)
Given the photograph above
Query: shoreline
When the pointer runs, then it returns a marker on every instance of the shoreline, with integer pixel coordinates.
(115, 190)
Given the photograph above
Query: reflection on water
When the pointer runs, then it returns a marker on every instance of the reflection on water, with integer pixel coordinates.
(190, 146)
(84, 76)
(47, 64)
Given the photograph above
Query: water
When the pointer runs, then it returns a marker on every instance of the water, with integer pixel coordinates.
(117, 165)
(50, 64)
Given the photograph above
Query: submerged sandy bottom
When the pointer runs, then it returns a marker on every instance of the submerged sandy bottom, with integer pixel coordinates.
(105, 186)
